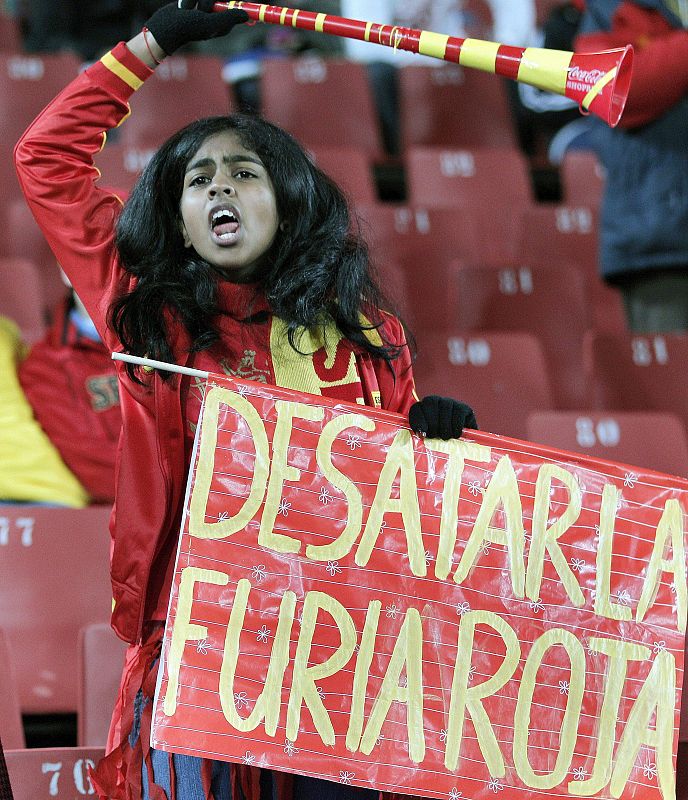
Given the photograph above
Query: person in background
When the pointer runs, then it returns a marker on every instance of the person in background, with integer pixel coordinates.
(232, 251)
(60, 416)
(644, 215)
(70, 382)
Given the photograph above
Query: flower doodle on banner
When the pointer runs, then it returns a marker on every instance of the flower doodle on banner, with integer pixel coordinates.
(392, 611)
(284, 508)
(463, 608)
(263, 634)
(325, 497)
(630, 480)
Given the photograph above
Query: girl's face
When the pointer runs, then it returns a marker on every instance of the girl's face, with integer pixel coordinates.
(228, 207)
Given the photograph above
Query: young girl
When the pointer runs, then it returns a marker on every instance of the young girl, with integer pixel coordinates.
(233, 254)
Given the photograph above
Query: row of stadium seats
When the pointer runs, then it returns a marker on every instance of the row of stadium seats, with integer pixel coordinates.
(414, 239)
(323, 102)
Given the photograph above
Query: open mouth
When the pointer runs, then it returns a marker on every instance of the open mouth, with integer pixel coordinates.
(224, 224)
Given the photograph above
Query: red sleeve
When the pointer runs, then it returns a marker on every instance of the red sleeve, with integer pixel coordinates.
(660, 66)
(397, 386)
(54, 162)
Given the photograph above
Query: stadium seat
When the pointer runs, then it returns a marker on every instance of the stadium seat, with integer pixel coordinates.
(420, 236)
(11, 730)
(551, 303)
(567, 236)
(120, 164)
(450, 106)
(654, 440)
(182, 89)
(54, 579)
(21, 297)
(493, 183)
(10, 36)
(59, 773)
(606, 307)
(20, 237)
(560, 234)
(101, 657)
(638, 372)
(582, 178)
(11, 189)
(350, 169)
(503, 376)
(322, 103)
(27, 84)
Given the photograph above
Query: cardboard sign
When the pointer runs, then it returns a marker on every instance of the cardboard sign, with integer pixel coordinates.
(473, 618)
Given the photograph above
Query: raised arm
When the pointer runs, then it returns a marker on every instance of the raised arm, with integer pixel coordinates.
(54, 157)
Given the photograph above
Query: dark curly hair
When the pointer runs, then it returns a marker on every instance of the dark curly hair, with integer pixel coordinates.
(318, 269)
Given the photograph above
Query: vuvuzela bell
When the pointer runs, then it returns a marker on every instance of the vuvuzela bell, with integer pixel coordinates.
(598, 82)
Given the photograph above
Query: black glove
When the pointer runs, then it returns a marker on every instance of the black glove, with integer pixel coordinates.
(175, 25)
(441, 417)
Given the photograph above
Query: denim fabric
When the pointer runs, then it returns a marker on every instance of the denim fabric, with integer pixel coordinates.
(188, 777)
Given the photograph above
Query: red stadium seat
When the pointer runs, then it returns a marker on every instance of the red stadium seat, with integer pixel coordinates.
(550, 303)
(21, 297)
(10, 36)
(52, 772)
(450, 106)
(121, 164)
(11, 189)
(560, 234)
(503, 376)
(420, 236)
(101, 657)
(20, 237)
(11, 730)
(182, 89)
(323, 103)
(493, 183)
(654, 440)
(638, 372)
(54, 579)
(350, 169)
(27, 84)
(582, 178)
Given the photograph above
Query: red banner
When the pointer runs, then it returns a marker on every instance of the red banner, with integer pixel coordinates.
(466, 619)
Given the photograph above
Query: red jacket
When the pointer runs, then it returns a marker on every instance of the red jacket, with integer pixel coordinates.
(54, 161)
(85, 424)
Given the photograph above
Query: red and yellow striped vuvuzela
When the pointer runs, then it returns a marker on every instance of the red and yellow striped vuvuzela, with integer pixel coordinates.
(598, 82)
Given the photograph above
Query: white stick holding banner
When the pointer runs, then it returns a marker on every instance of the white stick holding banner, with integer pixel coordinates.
(163, 365)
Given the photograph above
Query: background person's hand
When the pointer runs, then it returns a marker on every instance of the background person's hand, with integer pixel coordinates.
(177, 24)
(441, 417)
